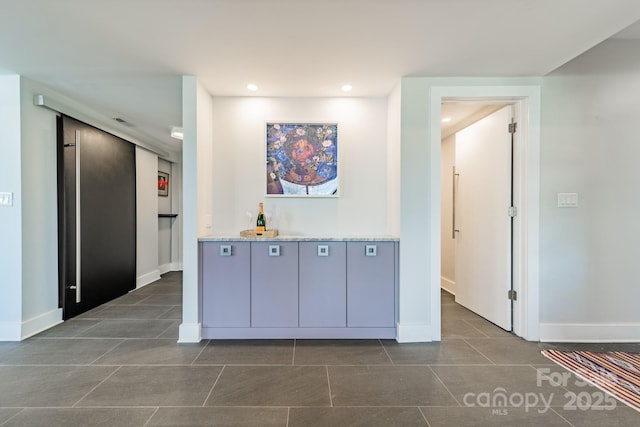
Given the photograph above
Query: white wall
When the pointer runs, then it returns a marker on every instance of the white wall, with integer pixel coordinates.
(197, 118)
(394, 139)
(39, 214)
(147, 270)
(165, 224)
(589, 255)
(238, 179)
(10, 217)
(447, 264)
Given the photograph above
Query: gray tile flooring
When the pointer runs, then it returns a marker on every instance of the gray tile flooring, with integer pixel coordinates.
(119, 365)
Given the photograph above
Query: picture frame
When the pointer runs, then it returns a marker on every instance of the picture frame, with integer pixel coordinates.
(302, 159)
(163, 184)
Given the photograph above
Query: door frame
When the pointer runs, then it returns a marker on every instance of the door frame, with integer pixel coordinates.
(526, 316)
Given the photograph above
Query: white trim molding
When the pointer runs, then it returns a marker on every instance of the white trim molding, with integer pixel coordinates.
(18, 331)
(189, 333)
(448, 285)
(413, 332)
(526, 97)
(148, 278)
(585, 332)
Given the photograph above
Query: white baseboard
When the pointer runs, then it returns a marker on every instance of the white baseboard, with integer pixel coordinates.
(584, 332)
(40, 323)
(164, 268)
(413, 332)
(175, 266)
(18, 331)
(189, 333)
(147, 278)
(448, 285)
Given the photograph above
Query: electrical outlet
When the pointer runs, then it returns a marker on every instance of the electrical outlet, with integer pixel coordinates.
(6, 199)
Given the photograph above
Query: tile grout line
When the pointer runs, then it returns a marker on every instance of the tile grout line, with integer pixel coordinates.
(13, 416)
(424, 416)
(481, 353)
(151, 417)
(288, 415)
(560, 415)
(387, 353)
(293, 356)
(167, 328)
(122, 340)
(96, 386)
(329, 386)
(444, 385)
(213, 386)
(200, 353)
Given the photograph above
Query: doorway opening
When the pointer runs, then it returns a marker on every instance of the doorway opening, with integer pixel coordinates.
(526, 165)
(477, 176)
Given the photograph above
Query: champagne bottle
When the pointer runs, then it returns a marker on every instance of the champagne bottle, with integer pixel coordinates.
(261, 225)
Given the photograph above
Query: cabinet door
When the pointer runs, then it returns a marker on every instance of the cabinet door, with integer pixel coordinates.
(323, 284)
(274, 284)
(370, 284)
(226, 284)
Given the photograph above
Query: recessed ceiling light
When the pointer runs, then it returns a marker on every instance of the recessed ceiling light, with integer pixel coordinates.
(252, 87)
(446, 119)
(346, 88)
(177, 133)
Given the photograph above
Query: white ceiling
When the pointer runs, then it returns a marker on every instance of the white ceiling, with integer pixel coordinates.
(124, 58)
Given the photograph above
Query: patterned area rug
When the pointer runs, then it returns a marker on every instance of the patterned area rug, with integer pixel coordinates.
(617, 373)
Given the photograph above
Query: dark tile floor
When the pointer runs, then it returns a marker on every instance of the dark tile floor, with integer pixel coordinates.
(119, 365)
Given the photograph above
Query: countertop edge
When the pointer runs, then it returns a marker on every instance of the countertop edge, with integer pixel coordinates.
(300, 239)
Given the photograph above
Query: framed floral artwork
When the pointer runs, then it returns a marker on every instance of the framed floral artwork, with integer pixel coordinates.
(302, 159)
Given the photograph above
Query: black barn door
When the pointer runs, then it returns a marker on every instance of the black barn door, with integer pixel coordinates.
(97, 205)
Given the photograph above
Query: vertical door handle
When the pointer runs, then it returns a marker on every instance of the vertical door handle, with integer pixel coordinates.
(78, 225)
(454, 230)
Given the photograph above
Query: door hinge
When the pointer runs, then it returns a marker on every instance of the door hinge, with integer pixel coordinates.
(513, 127)
(512, 211)
(512, 295)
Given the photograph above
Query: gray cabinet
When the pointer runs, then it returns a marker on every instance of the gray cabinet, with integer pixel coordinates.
(286, 288)
(226, 284)
(371, 284)
(274, 284)
(323, 284)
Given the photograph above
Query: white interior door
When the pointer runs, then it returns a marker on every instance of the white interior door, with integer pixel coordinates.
(482, 199)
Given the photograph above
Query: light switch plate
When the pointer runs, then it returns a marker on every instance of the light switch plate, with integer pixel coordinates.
(567, 200)
(6, 199)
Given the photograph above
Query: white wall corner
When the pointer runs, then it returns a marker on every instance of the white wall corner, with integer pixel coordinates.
(40, 323)
(583, 332)
(448, 285)
(148, 278)
(165, 268)
(10, 331)
(189, 333)
(413, 332)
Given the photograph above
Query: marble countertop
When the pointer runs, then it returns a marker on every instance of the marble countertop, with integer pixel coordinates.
(284, 238)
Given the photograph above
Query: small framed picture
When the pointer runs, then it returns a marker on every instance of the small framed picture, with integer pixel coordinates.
(163, 184)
